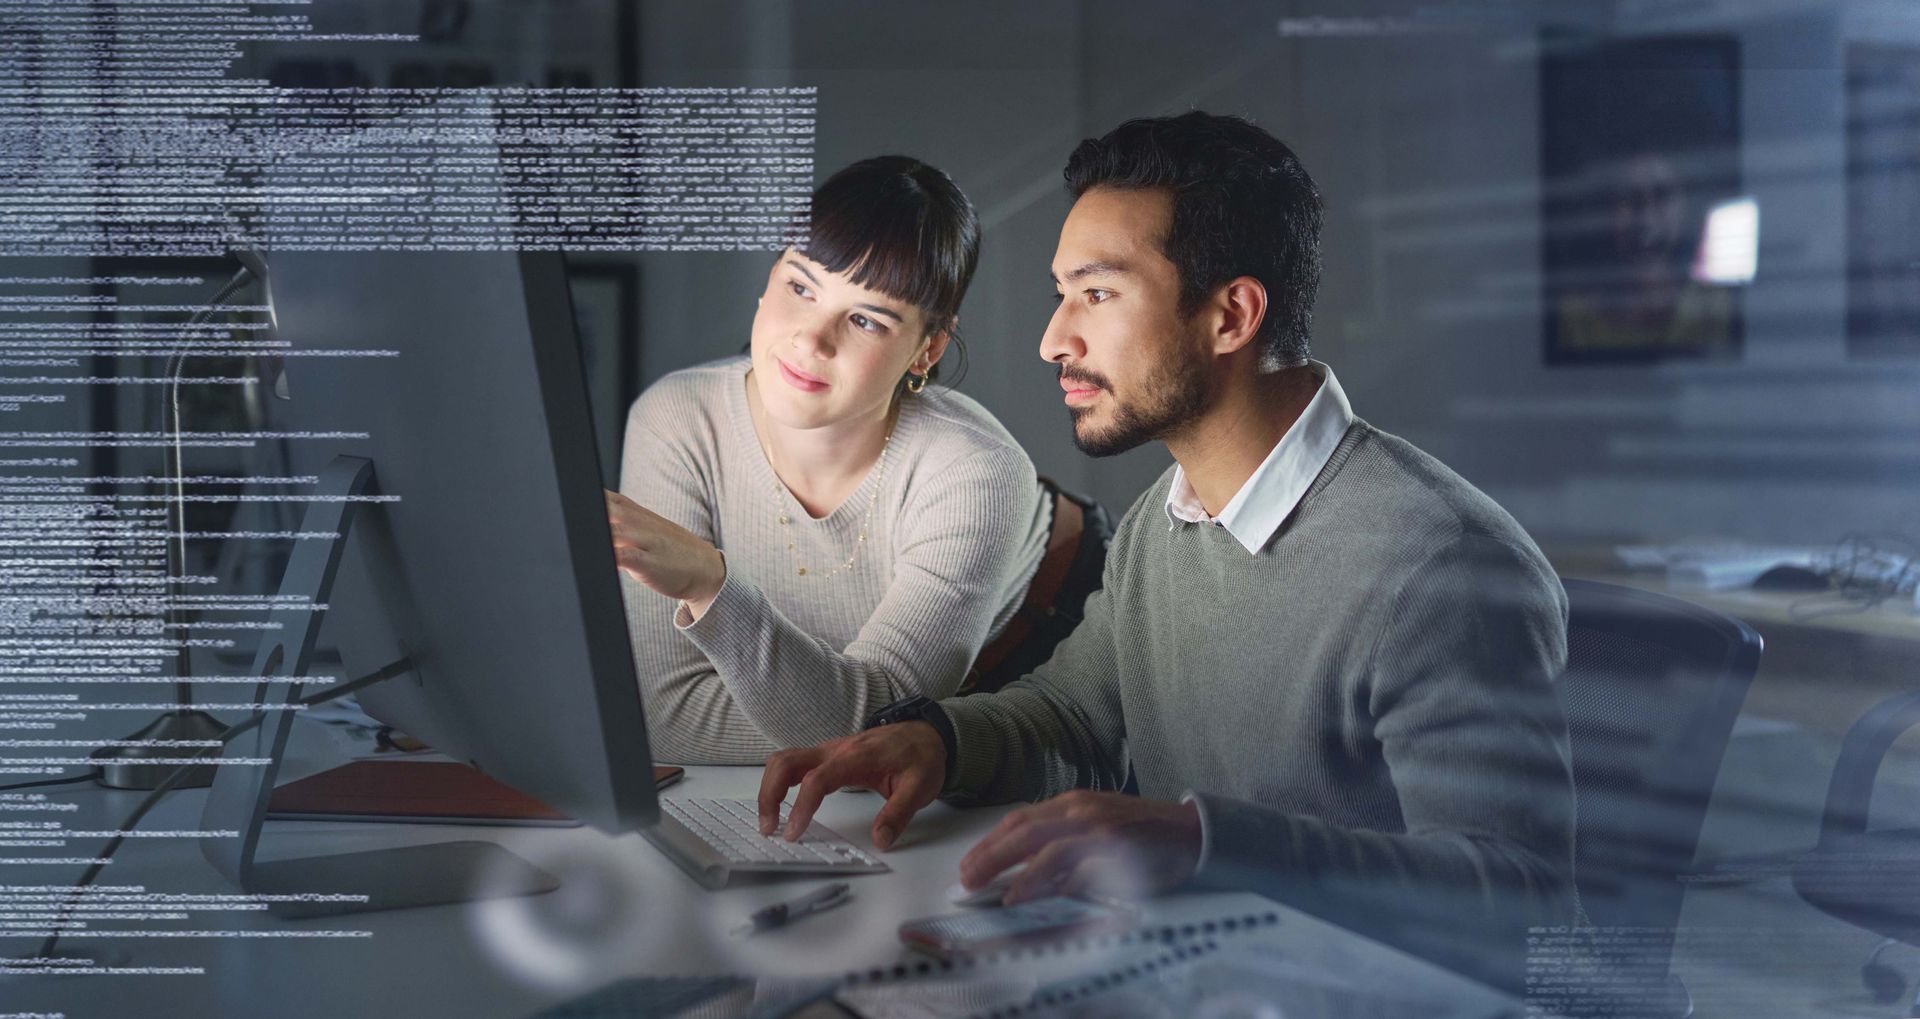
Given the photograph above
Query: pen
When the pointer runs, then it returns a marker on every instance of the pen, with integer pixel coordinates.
(781, 913)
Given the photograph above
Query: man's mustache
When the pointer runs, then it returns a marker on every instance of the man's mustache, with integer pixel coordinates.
(1083, 377)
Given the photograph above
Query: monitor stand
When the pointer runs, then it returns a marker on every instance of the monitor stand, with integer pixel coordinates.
(330, 885)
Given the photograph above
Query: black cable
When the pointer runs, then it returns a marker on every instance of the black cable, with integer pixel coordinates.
(1865, 572)
(88, 777)
(179, 774)
(177, 508)
(1823, 606)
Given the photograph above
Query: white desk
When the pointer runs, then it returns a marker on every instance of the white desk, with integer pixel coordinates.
(651, 919)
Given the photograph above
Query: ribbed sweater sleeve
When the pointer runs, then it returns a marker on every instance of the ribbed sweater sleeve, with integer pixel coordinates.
(953, 541)
(956, 532)
(691, 716)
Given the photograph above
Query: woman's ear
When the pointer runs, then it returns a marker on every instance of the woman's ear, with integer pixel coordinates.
(935, 349)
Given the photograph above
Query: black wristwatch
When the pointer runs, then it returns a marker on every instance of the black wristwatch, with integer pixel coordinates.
(921, 708)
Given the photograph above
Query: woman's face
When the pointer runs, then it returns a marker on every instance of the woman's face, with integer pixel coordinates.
(827, 351)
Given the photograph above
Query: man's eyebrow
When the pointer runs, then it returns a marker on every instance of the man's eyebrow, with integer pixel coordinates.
(1092, 269)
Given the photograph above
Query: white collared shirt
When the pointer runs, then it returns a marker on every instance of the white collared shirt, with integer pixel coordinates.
(1256, 511)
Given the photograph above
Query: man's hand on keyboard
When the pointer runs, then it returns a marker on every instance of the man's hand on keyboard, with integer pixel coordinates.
(906, 763)
(1090, 844)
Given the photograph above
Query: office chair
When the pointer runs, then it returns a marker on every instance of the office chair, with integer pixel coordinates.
(1651, 690)
(1069, 570)
(1868, 878)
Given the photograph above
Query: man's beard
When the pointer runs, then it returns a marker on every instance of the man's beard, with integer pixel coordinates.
(1174, 396)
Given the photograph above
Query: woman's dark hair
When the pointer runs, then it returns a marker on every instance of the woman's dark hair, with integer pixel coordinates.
(1242, 206)
(901, 227)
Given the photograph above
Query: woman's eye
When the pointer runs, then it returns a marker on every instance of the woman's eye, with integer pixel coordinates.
(867, 324)
(799, 290)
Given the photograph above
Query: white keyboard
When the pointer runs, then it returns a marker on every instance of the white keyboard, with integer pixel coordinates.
(714, 839)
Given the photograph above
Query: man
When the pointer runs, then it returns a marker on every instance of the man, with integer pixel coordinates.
(1325, 657)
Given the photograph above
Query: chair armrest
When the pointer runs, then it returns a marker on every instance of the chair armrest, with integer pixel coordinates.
(1850, 795)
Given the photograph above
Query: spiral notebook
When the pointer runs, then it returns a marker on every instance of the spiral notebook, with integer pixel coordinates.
(1233, 964)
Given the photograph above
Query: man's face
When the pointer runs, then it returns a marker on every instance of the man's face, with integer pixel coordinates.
(1133, 368)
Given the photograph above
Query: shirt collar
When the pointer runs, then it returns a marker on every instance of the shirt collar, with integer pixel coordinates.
(1273, 490)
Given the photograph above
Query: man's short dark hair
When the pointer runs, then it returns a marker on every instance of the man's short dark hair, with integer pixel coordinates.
(899, 226)
(1242, 206)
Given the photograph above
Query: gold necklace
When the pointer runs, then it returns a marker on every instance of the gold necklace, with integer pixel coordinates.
(866, 519)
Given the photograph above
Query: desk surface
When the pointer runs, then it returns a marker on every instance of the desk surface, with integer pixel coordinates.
(1892, 619)
(623, 908)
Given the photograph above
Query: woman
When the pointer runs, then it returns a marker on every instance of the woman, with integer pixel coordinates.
(877, 532)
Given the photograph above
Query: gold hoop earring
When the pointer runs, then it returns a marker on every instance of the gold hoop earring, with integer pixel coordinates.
(916, 383)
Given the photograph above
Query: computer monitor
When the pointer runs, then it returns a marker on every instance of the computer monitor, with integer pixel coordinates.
(484, 566)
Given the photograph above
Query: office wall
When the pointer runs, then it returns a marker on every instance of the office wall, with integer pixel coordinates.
(1437, 319)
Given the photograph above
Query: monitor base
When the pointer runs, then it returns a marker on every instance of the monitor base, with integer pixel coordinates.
(122, 767)
(418, 875)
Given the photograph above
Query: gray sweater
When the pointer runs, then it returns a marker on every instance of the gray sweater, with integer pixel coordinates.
(784, 660)
(1362, 710)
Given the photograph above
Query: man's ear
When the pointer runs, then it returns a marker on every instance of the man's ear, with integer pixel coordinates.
(1240, 305)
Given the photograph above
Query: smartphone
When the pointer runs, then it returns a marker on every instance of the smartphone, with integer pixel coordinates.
(666, 775)
(991, 930)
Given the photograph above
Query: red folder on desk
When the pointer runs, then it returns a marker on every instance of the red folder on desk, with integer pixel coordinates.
(416, 792)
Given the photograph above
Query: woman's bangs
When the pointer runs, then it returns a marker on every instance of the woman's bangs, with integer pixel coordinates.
(882, 252)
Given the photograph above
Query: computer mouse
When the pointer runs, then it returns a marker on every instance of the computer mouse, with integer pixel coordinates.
(1791, 578)
(989, 894)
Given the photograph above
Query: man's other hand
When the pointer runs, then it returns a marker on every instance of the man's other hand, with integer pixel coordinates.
(905, 762)
(1090, 844)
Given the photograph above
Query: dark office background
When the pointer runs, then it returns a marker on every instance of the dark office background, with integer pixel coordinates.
(1430, 133)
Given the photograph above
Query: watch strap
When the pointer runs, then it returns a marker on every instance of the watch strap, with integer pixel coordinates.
(921, 708)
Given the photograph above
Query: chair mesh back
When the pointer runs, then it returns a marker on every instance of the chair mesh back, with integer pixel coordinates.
(1651, 690)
